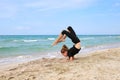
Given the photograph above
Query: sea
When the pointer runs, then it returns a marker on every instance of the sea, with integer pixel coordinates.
(21, 48)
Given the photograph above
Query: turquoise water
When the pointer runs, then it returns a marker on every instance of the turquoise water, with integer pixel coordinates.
(28, 46)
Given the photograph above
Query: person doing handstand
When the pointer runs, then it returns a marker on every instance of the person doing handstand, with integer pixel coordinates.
(73, 50)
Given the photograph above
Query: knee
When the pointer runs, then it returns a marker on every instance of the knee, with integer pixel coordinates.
(69, 28)
(63, 32)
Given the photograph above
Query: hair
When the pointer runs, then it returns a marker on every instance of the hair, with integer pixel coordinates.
(64, 48)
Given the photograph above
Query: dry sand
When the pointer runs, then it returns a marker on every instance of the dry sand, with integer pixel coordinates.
(99, 65)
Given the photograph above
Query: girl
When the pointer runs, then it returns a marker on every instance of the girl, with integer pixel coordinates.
(73, 50)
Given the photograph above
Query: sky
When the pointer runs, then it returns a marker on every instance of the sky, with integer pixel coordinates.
(49, 17)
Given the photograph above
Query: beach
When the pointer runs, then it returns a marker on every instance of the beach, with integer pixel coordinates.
(97, 65)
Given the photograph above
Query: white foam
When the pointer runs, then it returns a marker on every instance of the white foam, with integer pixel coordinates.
(89, 38)
(17, 59)
(15, 40)
(30, 40)
(51, 38)
(99, 47)
(24, 57)
(25, 40)
(50, 56)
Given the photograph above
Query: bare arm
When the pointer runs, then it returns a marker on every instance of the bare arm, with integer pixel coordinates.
(71, 58)
(57, 40)
(63, 38)
(60, 38)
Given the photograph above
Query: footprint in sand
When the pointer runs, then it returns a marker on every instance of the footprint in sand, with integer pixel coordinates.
(11, 78)
(32, 77)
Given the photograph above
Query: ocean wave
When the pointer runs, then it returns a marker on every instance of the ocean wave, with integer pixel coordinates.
(4, 60)
(118, 37)
(88, 49)
(1, 47)
(87, 38)
(51, 38)
(15, 59)
(24, 57)
(34, 40)
(16, 40)
(30, 40)
(50, 55)
(6, 47)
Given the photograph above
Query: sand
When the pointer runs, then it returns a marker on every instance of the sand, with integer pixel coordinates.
(98, 65)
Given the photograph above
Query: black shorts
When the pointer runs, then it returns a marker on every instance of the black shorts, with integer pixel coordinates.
(73, 51)
(71, 35)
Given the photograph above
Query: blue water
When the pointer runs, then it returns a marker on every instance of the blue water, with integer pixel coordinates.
(14, 47)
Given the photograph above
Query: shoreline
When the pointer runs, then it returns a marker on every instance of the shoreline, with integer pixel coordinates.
(97, 65)
(53, 54)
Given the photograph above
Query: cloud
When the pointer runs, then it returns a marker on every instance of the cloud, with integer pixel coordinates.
(10, 8)
(117, 4)
(20, 28)
(7, 10)
(59, 4)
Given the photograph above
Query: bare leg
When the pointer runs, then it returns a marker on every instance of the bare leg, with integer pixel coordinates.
(59, 39)
(63, 38)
